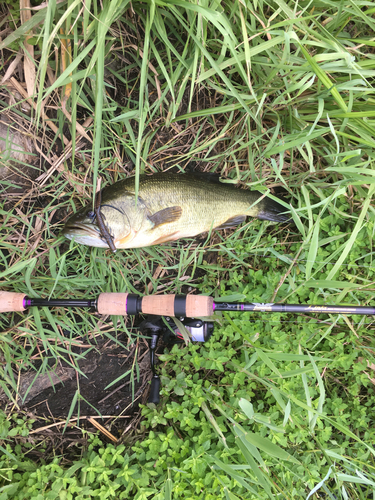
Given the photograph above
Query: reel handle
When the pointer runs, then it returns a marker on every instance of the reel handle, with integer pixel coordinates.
(154, 396)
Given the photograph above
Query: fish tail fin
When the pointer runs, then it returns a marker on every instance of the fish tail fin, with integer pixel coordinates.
(272, 210)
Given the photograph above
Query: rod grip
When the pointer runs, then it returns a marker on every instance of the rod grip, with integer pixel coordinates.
(154, 396)
(199, 305)
(112, 303)
(189, 306)
(11, 302)
(162, 305)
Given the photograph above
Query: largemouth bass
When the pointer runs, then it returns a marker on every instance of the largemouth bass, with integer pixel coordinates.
(169, 206)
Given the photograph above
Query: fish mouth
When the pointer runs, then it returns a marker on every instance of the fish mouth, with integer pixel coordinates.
(84, 234)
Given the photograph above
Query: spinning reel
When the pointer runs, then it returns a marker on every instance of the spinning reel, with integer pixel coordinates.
(165, 327)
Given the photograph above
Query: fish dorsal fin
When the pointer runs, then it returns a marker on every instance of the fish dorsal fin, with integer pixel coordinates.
(165, 216)
(205, 177)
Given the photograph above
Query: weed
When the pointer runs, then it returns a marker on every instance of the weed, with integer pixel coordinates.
(274, 97)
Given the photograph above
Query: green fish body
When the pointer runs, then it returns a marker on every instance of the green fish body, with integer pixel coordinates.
(169, 207)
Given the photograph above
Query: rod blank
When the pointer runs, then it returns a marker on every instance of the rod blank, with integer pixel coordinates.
(294, 308)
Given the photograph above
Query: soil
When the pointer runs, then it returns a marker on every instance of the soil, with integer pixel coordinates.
(60, 417)
(53, 395)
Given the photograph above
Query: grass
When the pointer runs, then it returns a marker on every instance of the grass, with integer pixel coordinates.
(277, 97)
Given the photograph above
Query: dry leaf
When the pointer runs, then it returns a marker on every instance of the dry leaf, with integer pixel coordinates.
(28, 61)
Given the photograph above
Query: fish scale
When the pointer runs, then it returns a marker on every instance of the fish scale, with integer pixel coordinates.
(169, 207)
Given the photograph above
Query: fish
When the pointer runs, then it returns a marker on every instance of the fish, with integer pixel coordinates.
(168, 207)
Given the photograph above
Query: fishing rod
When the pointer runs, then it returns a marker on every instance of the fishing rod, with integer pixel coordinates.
(184, 306)
(159, 310)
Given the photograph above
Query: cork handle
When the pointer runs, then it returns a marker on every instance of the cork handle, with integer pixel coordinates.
(112, 303)
(165, 305)
(199, 305)
(121, 304)
(11, 301)
(162, 305)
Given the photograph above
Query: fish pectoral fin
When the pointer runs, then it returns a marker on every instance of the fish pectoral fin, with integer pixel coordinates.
(233, 221)
(170, 214)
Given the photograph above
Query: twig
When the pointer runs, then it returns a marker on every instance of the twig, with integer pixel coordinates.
(46, 427)
(102, 429)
